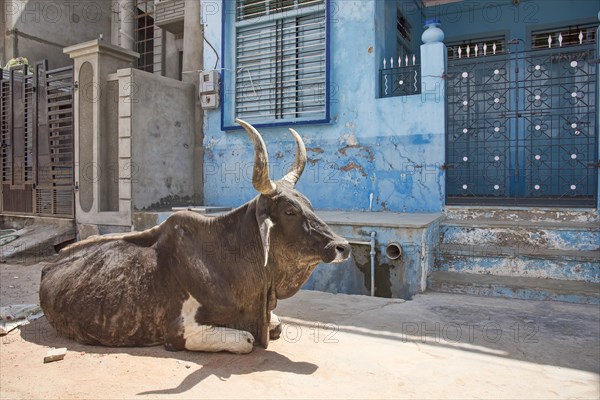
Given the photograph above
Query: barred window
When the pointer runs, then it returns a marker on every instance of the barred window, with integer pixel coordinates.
(403, 35)
(403, 27)
(280, 60)
(564, 36)
(144, 34)
(478, 47)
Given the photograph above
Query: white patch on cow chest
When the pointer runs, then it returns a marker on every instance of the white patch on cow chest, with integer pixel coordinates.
(210, 338)
(188, 315)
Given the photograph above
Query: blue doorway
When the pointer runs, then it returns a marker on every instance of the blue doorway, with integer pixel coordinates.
(521, 127)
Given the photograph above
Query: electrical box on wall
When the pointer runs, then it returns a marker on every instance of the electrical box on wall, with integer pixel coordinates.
(209, 89)
(209, 101)
(209, 81)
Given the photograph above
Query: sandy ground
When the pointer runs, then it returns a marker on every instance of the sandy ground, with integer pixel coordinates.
(333, 346)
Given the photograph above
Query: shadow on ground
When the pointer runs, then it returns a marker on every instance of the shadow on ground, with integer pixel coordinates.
(541, 332)
(221, 365)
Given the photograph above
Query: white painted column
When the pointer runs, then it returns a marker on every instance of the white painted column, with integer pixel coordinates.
(104, 60)
(433, 69)
(433, 62)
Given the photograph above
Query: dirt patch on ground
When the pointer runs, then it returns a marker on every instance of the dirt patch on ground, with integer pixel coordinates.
(19, 283)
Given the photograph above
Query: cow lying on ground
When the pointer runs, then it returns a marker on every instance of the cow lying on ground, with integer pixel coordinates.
(195, 282)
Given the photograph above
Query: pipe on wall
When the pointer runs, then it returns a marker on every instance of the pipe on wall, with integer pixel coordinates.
(393, 251)
(372, 253)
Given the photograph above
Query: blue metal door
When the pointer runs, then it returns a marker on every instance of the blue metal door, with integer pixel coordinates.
(521, 128)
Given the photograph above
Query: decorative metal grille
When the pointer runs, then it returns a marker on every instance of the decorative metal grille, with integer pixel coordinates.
(54, 191)
(36, 132)
(565, 36)
(521, 128)
(488, 46)
(401, 80)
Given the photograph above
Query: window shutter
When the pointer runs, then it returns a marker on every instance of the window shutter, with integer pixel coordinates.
(280, 60)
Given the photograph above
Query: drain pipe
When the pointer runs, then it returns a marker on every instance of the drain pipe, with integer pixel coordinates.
(372, 253)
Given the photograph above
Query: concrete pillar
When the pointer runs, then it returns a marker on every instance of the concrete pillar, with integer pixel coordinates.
(96, 118)
(433, 69)
(433, 62)
(127, 23)
(3, 26)
(115, 24)
(10, 38)
(193, 63)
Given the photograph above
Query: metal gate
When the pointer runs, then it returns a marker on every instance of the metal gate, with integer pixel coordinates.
(36, 134)
(521, 128)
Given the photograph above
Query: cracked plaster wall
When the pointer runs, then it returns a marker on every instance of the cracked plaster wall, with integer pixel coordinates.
(392, 148)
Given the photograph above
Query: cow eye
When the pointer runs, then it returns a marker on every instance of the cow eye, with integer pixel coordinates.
(290, 211)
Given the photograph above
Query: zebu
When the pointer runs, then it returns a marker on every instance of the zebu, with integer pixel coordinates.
(195, 282)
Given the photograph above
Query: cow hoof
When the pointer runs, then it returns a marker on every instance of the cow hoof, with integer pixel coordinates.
(275, 333)
(274, 327)
(170, 347)
(175, 345)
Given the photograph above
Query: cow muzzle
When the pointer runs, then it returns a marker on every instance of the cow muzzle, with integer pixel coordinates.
(336, 251)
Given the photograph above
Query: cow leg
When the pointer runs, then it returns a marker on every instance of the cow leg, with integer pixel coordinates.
(213, 339)
(198, 337)
(274, 327)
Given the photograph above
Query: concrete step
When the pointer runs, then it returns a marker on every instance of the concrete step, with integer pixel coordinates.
(35, 238)
(551, 235)
(518, 261)
(523, 214)
(524, 288)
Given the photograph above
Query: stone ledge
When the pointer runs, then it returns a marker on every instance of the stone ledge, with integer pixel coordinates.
(493, 223)
(493, 250)
(99, 47)
(515, 287)
(379, 219)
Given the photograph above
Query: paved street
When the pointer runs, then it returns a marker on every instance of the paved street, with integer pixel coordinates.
(335, 346)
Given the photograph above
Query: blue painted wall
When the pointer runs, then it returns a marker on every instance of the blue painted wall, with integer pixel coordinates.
(470, 19)
(392, 148)
(402, 277)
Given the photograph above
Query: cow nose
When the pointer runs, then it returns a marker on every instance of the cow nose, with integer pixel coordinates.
(342, 250)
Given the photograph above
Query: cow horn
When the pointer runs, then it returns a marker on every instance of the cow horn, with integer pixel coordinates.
(299, 162)
(260, 176)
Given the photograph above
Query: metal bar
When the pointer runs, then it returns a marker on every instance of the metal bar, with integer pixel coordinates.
(283, 113)
(269, 81)
(36, 85)
(268, 29)
(264, 42)
(269, 73)
(287, 106)
(301, 11)
(68, 69)
(2, 137)
(280, 50)
(11, 124)
(257, 74)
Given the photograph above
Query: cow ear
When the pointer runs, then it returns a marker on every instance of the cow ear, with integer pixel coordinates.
(264, 225)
